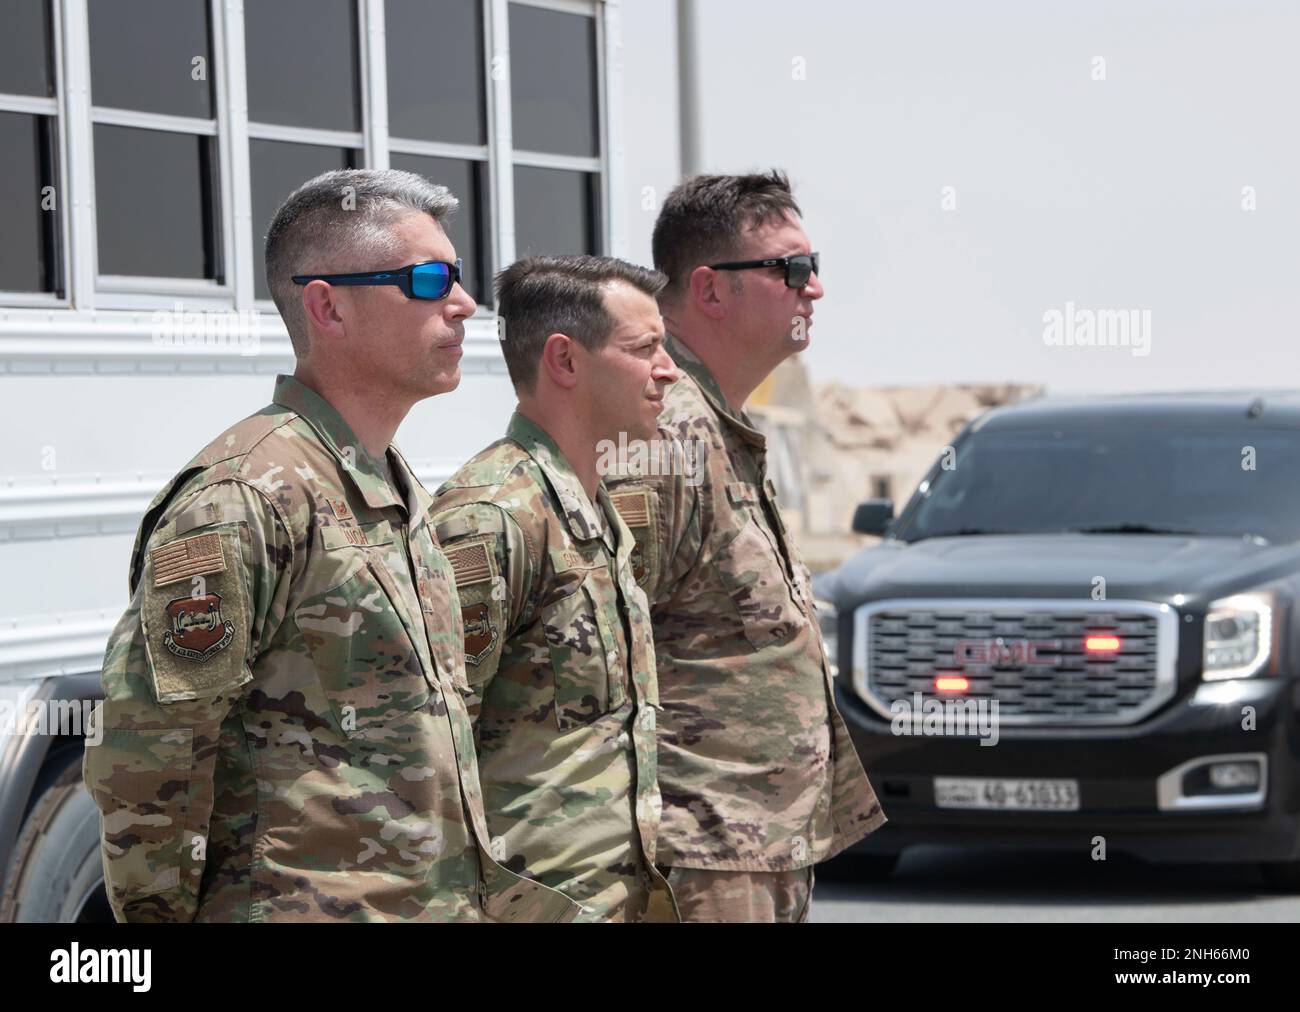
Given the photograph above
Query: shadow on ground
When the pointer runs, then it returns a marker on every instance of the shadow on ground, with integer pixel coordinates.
(963, 882)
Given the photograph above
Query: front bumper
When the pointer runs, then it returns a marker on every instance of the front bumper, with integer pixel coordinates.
(1130, 790)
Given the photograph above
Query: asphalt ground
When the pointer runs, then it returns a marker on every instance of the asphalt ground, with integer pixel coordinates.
(950, 884)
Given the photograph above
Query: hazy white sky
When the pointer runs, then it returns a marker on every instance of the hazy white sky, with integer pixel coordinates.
(1122, 193)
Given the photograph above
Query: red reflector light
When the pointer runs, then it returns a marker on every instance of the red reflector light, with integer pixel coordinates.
(1106, 643)
(951, 683)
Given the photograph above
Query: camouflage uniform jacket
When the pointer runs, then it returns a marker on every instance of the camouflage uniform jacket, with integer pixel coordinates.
(286, 735)
(757, 769)
(559, 654)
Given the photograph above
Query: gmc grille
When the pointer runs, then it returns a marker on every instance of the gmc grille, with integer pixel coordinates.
(1027, 654)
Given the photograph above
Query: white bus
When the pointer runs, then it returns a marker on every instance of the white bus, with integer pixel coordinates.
(145, 146)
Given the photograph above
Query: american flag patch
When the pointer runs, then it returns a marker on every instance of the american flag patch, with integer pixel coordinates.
(470, 563)
(188, 557)
(633, 507)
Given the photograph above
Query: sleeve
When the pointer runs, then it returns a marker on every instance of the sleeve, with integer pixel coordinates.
(213, 590)
(493, 570)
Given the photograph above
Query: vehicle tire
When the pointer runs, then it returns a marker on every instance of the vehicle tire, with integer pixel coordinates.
(1284, 876)
(56, 873)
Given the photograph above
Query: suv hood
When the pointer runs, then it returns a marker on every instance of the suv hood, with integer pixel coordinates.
(1141, 566)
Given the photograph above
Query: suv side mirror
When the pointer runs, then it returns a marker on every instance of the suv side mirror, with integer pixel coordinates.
(873, 516)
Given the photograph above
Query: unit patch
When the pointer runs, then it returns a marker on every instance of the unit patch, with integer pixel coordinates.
(197, 628)
(480, 634)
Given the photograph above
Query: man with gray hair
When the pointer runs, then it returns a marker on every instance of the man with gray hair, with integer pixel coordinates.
(286, 736)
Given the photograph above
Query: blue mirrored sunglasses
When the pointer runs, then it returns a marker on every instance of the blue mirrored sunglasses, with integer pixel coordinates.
(430, 280)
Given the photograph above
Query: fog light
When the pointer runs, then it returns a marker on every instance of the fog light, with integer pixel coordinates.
(1235, 781)
(1234, 776)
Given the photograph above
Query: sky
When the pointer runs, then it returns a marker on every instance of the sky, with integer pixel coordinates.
(969, 169)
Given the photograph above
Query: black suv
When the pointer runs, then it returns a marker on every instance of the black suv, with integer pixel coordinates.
(1081, 633)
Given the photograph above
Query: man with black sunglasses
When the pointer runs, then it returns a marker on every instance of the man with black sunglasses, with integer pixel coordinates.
(286, 732)
(759, 777)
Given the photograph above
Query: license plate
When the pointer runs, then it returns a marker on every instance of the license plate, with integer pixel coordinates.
(1007, 795)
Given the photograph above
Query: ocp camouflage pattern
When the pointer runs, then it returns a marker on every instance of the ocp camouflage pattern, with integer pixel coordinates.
(286, 730)
(560, 660)
(756, 767)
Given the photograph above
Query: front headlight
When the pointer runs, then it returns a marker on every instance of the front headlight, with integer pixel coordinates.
(828, 621)
(1238, 636)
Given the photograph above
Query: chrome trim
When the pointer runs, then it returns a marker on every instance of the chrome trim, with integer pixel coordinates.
(1166, 647)
(1169, 786)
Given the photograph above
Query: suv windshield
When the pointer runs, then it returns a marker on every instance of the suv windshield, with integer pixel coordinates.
(1233, 479)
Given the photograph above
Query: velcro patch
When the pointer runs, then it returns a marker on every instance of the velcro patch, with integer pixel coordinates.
(198, 629)
(461, 526)
(373, 535)
(742, 493)
(341, 509)
(565, 559)
(200, 516)
(638, 512)
(471, 563)
(481, 633)
(633, 507)
(180, 560)
(198, 644)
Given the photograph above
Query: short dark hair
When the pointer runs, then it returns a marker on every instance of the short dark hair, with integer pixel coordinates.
(338, 222)
(704, 219)
(541, 296)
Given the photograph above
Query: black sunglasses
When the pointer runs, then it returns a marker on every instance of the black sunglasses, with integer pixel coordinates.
(430, 280)
(798, 268)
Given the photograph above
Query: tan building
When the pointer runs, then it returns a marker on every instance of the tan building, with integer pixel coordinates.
(832, 446)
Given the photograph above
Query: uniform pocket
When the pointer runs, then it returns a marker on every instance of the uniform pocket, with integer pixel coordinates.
(754, 576)
(444, 621)
(583, 653)
(365, 660)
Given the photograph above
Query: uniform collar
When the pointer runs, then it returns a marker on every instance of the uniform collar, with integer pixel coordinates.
(690, 363)
(366, 473)
(580, 515)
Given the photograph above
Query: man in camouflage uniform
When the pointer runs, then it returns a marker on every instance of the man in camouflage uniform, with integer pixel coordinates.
(286, 732)
(557, 637)
(759, 777)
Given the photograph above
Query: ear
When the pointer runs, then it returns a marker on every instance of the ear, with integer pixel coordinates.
(706, 294)
(322, 310)
(558, 360)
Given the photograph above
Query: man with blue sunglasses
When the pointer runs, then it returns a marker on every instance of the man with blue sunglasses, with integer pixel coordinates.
(286, 735)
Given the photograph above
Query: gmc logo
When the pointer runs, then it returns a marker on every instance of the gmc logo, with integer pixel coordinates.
(1003, 652)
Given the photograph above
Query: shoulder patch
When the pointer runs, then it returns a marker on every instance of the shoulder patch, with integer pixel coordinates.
(188, 557)
(472, 563)
(198, 629)
(481, 633)
(197, 643)
(632, 506)
(636, 508)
